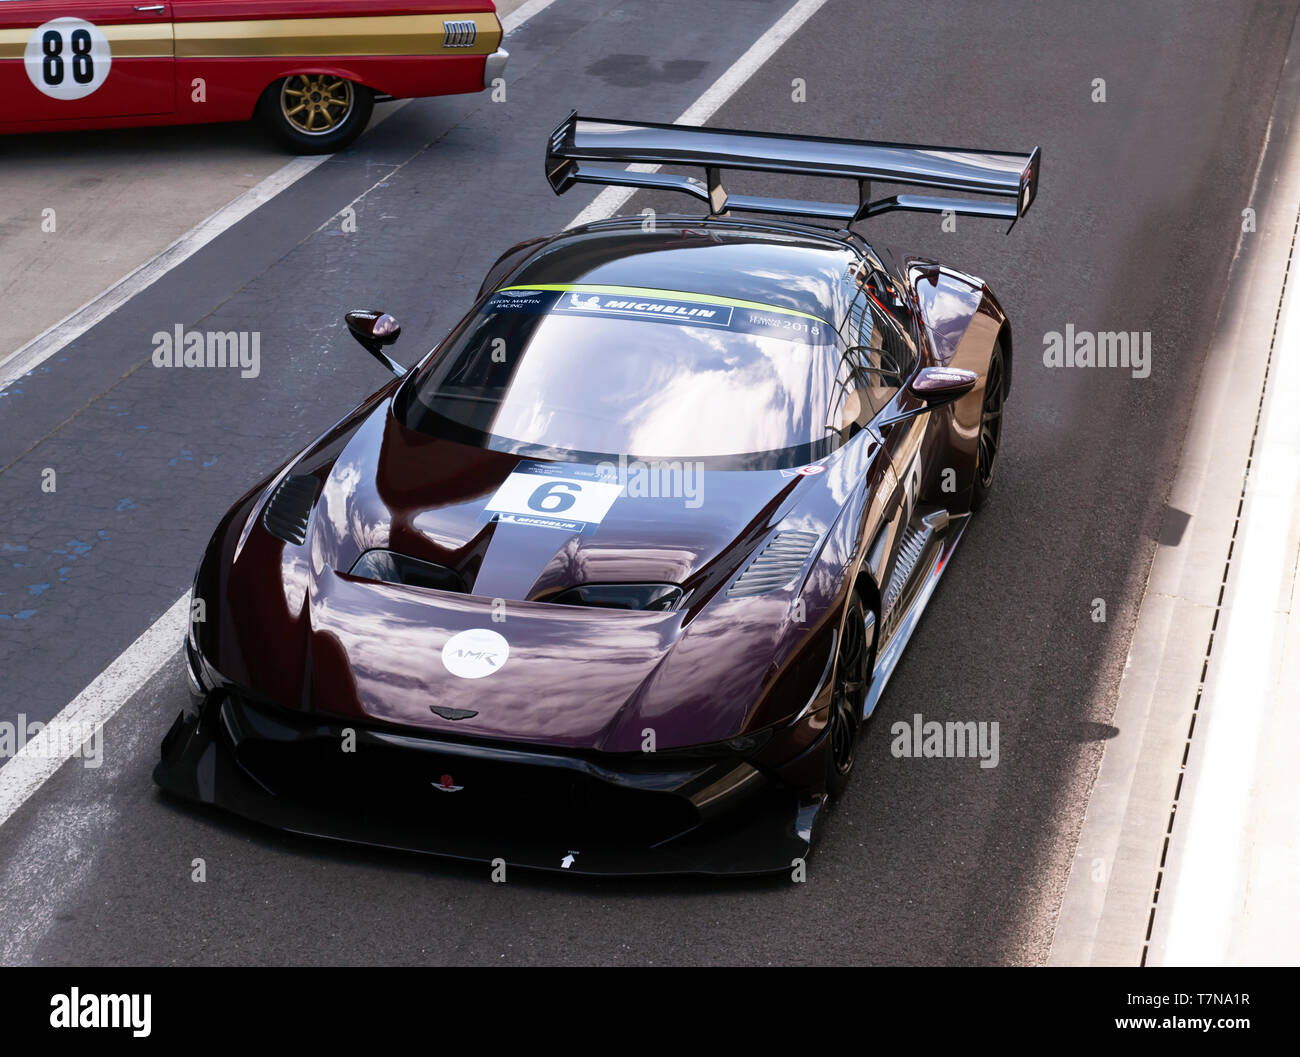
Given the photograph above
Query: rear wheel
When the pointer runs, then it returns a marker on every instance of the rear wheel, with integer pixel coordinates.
(990, 434)
(316, 113)
(852, 676)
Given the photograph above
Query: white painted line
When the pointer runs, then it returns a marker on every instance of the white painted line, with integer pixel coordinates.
(91, 708)
(611, 199)
(521, 14)
(113, 687)
(72, 326)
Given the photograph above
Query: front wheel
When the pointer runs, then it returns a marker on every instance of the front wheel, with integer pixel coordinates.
(316, 113)
(852, 676)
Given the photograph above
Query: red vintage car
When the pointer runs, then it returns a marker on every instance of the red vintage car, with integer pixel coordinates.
(311, 69)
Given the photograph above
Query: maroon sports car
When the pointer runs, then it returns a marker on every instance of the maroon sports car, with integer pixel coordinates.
(611, 579)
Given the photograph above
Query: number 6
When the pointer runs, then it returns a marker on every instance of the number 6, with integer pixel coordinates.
(558, 501)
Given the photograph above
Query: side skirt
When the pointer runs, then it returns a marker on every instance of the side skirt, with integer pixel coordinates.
(930, 570)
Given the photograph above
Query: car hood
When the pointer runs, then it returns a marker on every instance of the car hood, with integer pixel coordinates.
(498, 660)
(434, 499)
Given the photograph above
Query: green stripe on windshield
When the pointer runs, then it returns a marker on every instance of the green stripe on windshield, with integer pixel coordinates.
(676, 295)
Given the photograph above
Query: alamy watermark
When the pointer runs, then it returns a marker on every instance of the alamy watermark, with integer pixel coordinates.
(657, 479)
(1107, 348)
(922, 739)
(179, 347)
(58, 739)
(77, 1010)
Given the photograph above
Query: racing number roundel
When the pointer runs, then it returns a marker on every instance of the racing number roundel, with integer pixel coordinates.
(67, 58)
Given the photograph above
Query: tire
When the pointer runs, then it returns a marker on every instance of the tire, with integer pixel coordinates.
(852, 677)
(316, 113)
(990, 436)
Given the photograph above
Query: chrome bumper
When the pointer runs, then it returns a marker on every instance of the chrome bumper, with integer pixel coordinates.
(495, 66)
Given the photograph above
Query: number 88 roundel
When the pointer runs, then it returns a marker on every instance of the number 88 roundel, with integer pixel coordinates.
(67, 58)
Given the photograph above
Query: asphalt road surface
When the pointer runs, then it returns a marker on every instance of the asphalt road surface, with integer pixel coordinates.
(922, 861)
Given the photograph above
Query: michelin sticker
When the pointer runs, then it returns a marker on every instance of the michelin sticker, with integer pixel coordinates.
(656, 306)
(475, 653)
(67, 58)
(550, 495)
(640, 307)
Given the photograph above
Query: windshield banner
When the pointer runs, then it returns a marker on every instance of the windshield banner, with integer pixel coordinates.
(661, 306)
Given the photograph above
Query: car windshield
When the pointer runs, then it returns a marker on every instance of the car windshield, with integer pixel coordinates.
(587, 372)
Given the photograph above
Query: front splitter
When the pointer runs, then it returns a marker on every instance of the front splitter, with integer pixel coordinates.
(771, 832)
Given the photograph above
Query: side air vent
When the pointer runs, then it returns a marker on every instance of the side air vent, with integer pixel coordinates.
(776, 565)
(910, 550)
(286, 515)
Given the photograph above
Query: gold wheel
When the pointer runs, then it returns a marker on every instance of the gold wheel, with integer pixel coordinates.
(316, 105)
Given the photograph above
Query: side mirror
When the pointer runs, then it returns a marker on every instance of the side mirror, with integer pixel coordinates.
(936, 386)
(942, 385)
(375, 329)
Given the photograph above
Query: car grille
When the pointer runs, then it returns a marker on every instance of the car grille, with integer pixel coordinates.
(399, 785)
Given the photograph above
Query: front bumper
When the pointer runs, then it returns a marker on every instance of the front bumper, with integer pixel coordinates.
(527, 806)
(495, 66)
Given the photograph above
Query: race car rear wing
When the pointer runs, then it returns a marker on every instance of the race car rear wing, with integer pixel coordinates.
(579, 141)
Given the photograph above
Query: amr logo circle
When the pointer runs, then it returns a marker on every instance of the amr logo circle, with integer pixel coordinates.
(475, 653)
(67, 58)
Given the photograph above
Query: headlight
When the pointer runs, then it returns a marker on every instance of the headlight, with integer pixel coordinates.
(744, 746)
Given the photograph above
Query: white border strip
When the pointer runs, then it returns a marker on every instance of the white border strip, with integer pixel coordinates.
(521, 14)
(1207, 878)
(92, 708)
(138, 663)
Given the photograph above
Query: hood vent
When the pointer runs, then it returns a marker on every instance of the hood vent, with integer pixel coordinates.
(393, 568)
(776, 565)
(660, 597)
(289, 510)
